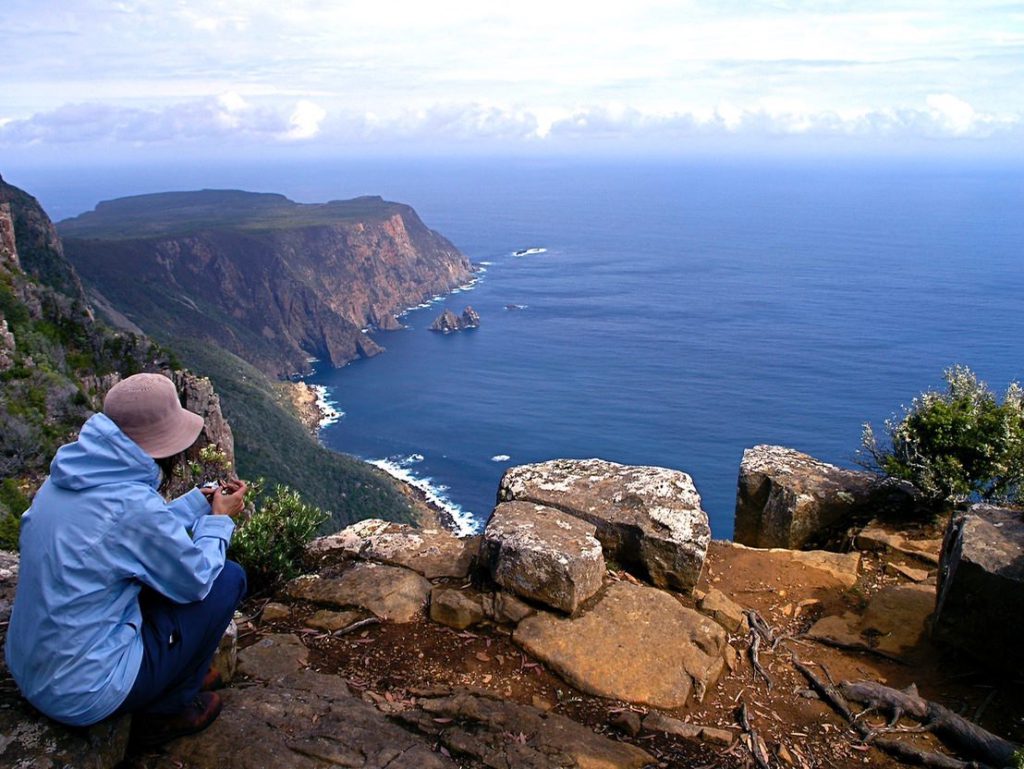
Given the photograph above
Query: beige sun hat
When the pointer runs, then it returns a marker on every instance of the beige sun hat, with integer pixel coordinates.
(147, 409)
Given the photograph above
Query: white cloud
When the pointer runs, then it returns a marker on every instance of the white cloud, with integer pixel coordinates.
(955, 114)
(305, 121)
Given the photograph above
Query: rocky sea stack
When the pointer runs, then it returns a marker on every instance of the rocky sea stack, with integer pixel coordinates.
(448, 322)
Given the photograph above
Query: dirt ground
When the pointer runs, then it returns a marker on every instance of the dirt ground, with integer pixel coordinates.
(390, 663)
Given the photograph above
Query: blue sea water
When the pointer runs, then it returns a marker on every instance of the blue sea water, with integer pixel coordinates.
(681, 312)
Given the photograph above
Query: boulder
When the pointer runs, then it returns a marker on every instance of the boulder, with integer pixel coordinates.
(499, 733)
(543, 554)
(434, 553)
(304, 721)
(273, 657)
(788, 499)
(648, 518)
(274, 611)
(455, 608)
(980, 605)
(392, 593)
(636, 644)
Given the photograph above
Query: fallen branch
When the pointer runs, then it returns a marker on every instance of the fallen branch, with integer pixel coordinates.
(953, 729)
(900, 750)
(755, 645)
(757, 747)
(356, 626)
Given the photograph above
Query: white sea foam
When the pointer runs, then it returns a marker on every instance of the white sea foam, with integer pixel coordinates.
(500, 458)
(529, 251)
(412, 459)
(329, 411)
(463, 521)
(486, 264)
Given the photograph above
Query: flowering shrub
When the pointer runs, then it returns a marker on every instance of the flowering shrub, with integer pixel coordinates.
(956, 445)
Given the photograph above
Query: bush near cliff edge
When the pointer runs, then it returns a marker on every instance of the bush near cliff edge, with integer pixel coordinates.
(956, 445)
(270, 543)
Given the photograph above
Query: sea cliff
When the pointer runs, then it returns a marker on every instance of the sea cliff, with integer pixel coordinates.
(273, 281)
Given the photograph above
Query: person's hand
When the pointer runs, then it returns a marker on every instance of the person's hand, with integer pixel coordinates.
(229, 499)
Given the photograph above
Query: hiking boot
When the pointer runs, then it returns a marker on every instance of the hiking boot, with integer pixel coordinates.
(150, 730)
(212, 681)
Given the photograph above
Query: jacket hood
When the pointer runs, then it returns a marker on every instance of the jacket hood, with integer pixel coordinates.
(101, 455)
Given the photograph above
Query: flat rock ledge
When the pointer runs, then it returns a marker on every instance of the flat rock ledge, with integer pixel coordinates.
(980, 606)
(647, 518)
(843, 567)
(305, 720)
(636, 644)
(392, 593)
(499, 733)
(787, 499)
(542, 554)
(433, 553)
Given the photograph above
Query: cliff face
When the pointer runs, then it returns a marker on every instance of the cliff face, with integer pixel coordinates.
(273, 281)
(57, 361)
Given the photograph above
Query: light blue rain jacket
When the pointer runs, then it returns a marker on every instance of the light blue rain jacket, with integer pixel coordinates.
(96, 532)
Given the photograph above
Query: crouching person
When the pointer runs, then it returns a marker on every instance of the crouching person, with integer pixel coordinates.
(123, 598)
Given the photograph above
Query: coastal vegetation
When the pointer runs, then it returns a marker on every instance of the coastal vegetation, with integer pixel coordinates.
(270, 543)
(958, 444)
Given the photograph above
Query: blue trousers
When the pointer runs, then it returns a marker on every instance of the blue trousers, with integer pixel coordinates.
(179, 643)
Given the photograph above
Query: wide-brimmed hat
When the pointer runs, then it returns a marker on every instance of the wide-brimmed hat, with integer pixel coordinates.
(147, 409)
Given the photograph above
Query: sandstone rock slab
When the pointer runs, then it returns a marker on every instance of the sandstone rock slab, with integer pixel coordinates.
(499, 733)
(637, 644)
(543, 554)
(434, 552)
(505, 609)
(894, 622)
(787, 499)
(274, 612)
(392, 593)
(330, 621)
(843, 567)
(656, 722)
(875, 538)
(648, 518)
(980, 605)
(273, 657)
(723, 610)
(455, 608)
(304, 721)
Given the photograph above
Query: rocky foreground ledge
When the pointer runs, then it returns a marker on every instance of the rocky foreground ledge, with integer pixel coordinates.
(592, 625)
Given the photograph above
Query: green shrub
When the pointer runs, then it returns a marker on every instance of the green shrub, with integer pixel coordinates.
(14, 501)
(271, 542)
(1019, 758)
(956, 445)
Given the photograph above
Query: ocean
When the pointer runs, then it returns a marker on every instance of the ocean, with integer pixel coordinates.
(669, 313)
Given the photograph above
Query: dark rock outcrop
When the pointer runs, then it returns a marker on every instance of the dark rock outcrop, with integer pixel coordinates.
(788, 499)
(448, 322)
(980, 605)
(647, 518)
(271, 280)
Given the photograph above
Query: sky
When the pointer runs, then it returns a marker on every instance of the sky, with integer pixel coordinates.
(177, 78)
